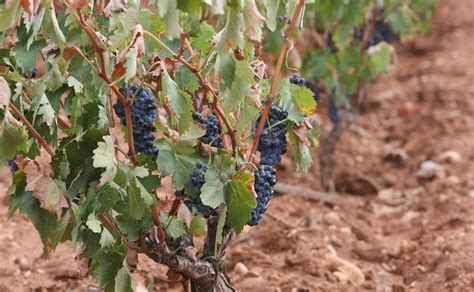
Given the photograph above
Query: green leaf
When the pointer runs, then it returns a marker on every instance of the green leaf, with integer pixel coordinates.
(244, 72)
(240, 200)
(170, 14)
(304, 100)
(225, 66)
(180, 102)
(8, 14)
(50, 28)
(231, 36)
(272, 13)
(104, 157)
(41, 106)
(186, 80)
(202, 41)
(379, 58)
(174, 227)
(198, 225)
(26, 57)
(106, 238)
(139, 199)
(302, 154)
(176, 160)
(13, 140)
(123, 281)
(106, 264)
(189, 6)
(217, 177)
(131, 64)
(93, 224)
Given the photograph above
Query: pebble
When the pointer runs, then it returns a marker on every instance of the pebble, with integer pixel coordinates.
(429, 169)
(332, 218)
(397, 156)
(450, 156)
(409, 246)
(453, 180)
(409, 216)
(27, 274)
(241, 269)
(471, 194)
(22, 262)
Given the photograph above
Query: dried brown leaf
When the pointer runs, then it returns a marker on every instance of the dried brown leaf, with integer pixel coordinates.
(115, 6)
(44, 188)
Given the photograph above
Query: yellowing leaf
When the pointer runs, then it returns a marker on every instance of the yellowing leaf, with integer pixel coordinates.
(304, 100)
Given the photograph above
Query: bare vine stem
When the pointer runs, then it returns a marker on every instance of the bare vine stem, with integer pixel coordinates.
(205, 85)
(32, 129)
(276, 76)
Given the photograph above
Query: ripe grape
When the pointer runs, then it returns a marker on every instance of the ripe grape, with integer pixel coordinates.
(297, 79)
(272, 143)
(213, 129)
(13, 166)
(197, 177)
(333, 111)
(265, 179)
(196, 181)
(143, 116)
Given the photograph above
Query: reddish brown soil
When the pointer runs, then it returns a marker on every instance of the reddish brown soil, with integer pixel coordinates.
(420, 240)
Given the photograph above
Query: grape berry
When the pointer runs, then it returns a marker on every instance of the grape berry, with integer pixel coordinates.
(297, 79)
(143, 117)
(13, 166)
(333, 111)
(265, 179)
(196, 182)
(213, 129)
(272, 143)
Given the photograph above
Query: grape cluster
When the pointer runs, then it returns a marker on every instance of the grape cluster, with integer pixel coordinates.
(265, 179)
(143, 117)
(333, 111)
(272, 143)
(196, 181)
(297, 80)
(213, 129)
(382, 32)
(13, 166)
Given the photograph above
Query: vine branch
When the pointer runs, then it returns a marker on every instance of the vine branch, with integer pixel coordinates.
(32, 129)
(103, 74)
(296, 15)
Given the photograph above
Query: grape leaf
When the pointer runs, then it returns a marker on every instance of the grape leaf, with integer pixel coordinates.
(303, 154)
(139, 199)
(49, 192)
(104, 157)
(13, 139)
(50, 28)
(272, 13)
(176, 160)
(170, 14)
(240, 200)
(217, 177)
(174, 227)
(304, 100)
(5, 92)
(123, 281)
(93, 223)
(202, 40)
(106, 264)
(180, 102)
(231, 36)
(198, 225)
(8, 13)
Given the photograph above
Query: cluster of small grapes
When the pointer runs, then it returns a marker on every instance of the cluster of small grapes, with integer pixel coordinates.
(382, 32)
(143, 117)
(213, 129)
(272, 143)
(13, 166)
(265, 179)
(297, 79)
(333, 111)
(196, 181)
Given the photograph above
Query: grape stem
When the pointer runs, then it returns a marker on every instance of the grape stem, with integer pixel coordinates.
(296, 15)
(103, 74)
(32, 129)
(215, 98)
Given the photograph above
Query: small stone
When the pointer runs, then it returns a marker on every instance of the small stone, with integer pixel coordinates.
(40, 271)
(471, 194)
(22, 262)
(391, 197)
(429, 170)
(409, 216)
(443, 198)
(397, 156)
(450, 156)
(332, 218)
(341, 277)
(27, 274)
(241, 269)
(409, 246)
(453, 180)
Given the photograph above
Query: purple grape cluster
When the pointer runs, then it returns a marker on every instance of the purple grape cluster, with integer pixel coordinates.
(272, 143)
(196, 181)
(13, 166)
(315, 89)
(213, 129)
(297, 80)
(382, 32)
(265, 179)
(333, 111)
(143, 117)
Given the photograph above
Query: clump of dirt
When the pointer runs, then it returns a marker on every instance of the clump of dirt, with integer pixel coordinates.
(405, 234)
